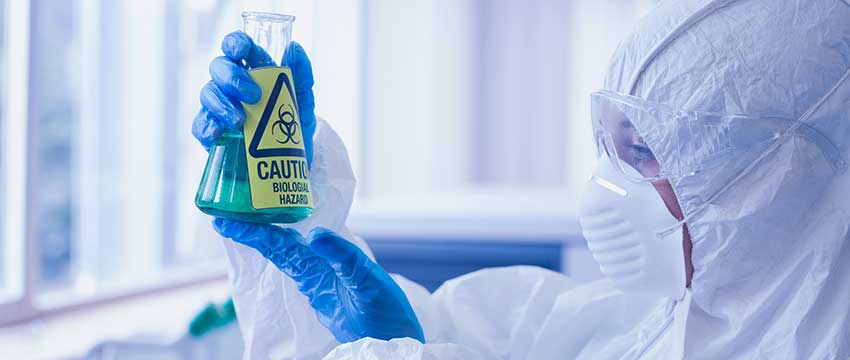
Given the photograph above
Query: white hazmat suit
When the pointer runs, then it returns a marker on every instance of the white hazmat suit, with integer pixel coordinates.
(770, 224)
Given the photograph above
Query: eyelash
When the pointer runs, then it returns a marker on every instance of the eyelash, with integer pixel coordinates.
(643, 154)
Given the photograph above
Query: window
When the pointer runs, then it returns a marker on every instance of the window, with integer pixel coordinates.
(109, 93)
(132, 167)
(3, 22)
(99, 144)
(52, 121)
(13, 63)
(484, 104)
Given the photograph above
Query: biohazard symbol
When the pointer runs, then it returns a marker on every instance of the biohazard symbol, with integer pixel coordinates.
(285, 127)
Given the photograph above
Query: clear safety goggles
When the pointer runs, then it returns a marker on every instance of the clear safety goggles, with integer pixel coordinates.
(648, 142)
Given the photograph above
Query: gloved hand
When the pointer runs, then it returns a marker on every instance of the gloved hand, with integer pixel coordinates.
(353, 297)
(220, 98)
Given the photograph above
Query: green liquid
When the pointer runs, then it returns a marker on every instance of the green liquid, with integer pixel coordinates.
(224, 191)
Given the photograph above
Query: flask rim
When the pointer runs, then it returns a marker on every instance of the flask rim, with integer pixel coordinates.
(267, 16)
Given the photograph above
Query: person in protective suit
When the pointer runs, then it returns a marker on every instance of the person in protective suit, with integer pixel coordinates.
(719, 212)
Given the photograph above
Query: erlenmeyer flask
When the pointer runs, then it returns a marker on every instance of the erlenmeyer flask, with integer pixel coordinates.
(263, 179)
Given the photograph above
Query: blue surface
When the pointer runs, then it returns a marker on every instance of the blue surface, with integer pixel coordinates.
(430, 263)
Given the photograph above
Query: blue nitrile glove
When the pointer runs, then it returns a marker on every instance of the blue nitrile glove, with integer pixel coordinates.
(352, 295)
(221, 109)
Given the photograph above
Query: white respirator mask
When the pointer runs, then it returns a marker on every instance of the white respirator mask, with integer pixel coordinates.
(632, 235)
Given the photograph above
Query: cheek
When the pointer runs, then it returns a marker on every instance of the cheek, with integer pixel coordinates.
(650, 168)
(669, 197)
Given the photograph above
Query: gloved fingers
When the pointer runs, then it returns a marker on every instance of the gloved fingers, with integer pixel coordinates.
(239, 47)
(282, 246)
(230, 115)
(349, 263)
(302, 69)
(205, 128)
(234, 80)
(302, 73)
(248, 234)
(308, 145)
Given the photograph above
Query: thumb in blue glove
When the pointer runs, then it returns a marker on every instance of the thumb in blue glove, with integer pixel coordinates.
(352, 296)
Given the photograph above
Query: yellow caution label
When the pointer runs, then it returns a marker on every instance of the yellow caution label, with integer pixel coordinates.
(277, 164)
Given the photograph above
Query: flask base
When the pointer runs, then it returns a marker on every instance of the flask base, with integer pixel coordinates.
(263, 216)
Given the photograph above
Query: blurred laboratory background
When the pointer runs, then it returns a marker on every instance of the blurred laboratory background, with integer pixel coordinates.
(467, 124)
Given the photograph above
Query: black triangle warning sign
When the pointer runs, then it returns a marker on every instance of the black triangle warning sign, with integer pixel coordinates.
(278, 132)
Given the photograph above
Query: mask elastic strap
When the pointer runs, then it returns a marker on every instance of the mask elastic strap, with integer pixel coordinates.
(772, 129)
(779, 141)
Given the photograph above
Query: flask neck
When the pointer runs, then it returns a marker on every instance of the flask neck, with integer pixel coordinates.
(272, 32)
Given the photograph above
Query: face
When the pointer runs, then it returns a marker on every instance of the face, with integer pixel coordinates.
(632, 150)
